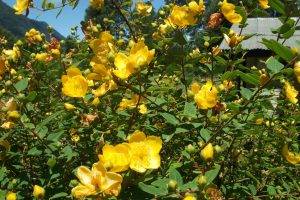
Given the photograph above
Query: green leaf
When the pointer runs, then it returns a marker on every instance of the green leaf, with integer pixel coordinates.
(277, 5)
(289, 33)
(282, 51)
(212, 174)
(241, 10)
(157, 191)
(69, 153)
(190, 110)
(246, 93)
(34, 152)
(250, 78)
(2, 173)
(50, 118)
(41, 131)
(229, 75)
(54, 137)
(58, 195)
(31, 96)
(175, 175)
(271, 190)
(205, 134)
(21, 85)
(171, 119)
(274, 65)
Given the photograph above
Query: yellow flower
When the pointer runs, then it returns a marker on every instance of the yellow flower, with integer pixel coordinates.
(95, 181)
(104, 88)
(290, 92)
(7, 125)
(115, 158)
(226, 85)
(12, 54)
(291, 157)
(165, 28)
(182, 16)
(264, 4)
(21, 6)
(208, 152)
(143, 8)
(189, 197)
(143, 109)
(125, 66)
(96, 101)
(97, 4)
(144, 152)
(13, 114)
(132, 103)
(11, 196)
(194, 89)
(228, 10)
(233, 39)
(197, 8)
(55, 52)
(74, 84)
(216, 50)
(297, 70)
(102, 47)
(38, 192)
(69, 106)
(207, 97)
(100, 72)
(139, 56)
(42, 57)
(259, 121)
(33, 36)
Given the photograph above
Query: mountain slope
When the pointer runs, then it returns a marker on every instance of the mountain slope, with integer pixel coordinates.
(17, 25)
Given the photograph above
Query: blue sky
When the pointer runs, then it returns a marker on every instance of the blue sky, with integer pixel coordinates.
(68, 18)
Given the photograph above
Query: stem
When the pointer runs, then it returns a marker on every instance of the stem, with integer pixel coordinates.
(125, 19)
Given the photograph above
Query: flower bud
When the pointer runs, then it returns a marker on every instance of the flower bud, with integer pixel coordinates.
(202, 180)
(69, 106)
(11, 196)
(208, 152)
(218, 149)
(162, 13)
(206, 44)
(13, 72)
(172, 184)
(190, 148)
(13, 114)
(189, 196)
(51, 162)
(8, 83)
(38, 192)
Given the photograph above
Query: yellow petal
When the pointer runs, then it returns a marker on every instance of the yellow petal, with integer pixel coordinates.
(75, 86)
(291, 157)
(137, 136)
(115, 158)
(73, 71)
(208, 152)
(82, 191)
(112, 184)
(84, 175)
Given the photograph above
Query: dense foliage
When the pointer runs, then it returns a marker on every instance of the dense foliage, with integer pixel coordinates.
(147, 105)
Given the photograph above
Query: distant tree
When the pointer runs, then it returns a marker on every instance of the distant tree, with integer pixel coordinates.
(108, 16)
(8, 36)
